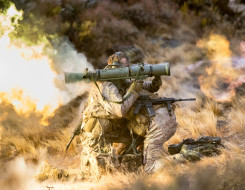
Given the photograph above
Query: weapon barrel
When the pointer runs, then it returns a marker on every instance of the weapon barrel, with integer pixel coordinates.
(136, 71)
(74, 77)
(171, 100)
(187, 99)
(70, 142)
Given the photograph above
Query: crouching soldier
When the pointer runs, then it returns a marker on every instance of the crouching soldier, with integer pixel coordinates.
(109, 115)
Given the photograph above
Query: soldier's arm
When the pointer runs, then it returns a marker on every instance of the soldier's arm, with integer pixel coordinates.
(112, 97)
(154, 85)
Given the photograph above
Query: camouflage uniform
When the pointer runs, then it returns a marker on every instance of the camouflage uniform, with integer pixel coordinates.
(103, 114)
(103, 118)
(155, 130)
(161, 128)
(101, 110)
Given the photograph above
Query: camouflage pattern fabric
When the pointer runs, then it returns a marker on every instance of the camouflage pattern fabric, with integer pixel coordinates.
(100, 108)
(161, 128)
(102, 116)
(193, 150)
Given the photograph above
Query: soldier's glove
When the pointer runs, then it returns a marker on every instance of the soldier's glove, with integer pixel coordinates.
(136, 86)
(156, 82)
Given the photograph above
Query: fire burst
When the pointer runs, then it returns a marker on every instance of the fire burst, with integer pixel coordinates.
(26, 78)
(215, 84)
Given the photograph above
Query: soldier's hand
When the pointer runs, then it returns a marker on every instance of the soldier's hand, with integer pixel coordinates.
(156, 82)
(135, 86)
(138, 85)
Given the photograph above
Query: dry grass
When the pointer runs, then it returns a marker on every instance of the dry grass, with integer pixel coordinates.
(198, 123)
(14, 146)
(63, 138)
(236, 116)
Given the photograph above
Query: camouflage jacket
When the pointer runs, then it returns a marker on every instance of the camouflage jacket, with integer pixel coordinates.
(101, 103)
(100, 107)
(104, 107)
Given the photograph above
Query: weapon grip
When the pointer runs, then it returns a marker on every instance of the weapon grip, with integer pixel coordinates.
(150, 111)
(149, 108)
(169, 107)
(137, 109)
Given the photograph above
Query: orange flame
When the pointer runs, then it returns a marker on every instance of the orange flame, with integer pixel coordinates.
(26, 78)
(218, 76)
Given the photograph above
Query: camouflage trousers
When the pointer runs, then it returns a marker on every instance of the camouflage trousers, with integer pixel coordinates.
(161, 128)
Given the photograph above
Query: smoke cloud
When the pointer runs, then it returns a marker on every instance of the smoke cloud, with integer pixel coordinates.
(66, 59)
(17, 174)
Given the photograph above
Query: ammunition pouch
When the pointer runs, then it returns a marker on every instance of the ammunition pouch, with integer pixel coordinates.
(97, 126)
(112, 130)
(138, 124)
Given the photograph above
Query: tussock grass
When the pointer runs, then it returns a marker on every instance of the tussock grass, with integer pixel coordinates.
(59, 142)
(197, 123)
(24, 135)
(236, 116)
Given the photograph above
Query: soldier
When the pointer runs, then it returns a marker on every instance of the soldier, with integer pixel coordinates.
(110, 113)
(155, 130)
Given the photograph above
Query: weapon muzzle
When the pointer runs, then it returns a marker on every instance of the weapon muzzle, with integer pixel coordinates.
(74, 77)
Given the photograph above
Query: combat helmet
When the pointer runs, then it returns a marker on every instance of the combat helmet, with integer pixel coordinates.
(114, 60)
